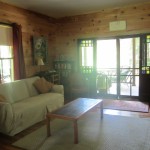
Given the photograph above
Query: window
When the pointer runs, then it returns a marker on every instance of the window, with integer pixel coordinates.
(86, 55)
(6, 54)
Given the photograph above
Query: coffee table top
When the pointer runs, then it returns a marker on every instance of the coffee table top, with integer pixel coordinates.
(75, 109)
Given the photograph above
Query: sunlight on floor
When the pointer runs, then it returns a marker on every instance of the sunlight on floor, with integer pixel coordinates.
(121, 113)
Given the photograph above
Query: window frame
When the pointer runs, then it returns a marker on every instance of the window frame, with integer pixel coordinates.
(9, 58)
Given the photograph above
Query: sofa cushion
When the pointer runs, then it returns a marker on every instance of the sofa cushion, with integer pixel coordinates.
(31, 88)
(19, 90)
(2, 98)
(34, 109)
(43, 86)
(38, 102)
(5, 91)
(14, 91)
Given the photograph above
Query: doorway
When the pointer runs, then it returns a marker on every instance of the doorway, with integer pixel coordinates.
(117, 66)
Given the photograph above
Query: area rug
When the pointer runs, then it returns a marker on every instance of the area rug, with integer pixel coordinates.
(126, 105)
(110, 133)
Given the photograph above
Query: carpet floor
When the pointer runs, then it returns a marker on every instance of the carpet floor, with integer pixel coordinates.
(110, 133)
(124, 105)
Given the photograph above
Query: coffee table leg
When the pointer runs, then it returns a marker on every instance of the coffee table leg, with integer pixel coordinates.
(48, 127)
(101, 109)
(75, 132)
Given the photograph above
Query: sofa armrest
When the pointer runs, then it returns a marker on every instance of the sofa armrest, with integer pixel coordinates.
(6, 116)
(58, 89)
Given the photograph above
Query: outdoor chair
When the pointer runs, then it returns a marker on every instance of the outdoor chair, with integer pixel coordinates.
(103, 83)
(125, 76)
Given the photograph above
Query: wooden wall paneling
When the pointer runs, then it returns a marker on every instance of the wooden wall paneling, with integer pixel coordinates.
(97, 24)
(33, 24)
(63, 33)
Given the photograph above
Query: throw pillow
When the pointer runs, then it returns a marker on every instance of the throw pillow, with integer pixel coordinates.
(2, 98)
(43, 86)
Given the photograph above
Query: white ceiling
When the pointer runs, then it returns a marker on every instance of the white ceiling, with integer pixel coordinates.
(62, 8)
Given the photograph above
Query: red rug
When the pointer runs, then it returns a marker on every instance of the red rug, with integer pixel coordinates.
(126, 105)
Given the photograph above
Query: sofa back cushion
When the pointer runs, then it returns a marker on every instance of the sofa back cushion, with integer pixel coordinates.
(14, 91)
(5, 92)
(31, 88)
(2, 98)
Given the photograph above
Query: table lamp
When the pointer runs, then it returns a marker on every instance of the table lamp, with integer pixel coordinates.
(40, 62)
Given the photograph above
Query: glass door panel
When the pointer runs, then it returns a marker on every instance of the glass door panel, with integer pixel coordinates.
(106, 63)
(129, 66)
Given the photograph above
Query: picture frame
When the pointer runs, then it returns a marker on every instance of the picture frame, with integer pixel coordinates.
(40, 48)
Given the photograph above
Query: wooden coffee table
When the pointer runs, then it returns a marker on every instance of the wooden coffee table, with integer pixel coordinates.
(73, 111)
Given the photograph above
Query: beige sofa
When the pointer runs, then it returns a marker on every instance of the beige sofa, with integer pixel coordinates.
(24, 106)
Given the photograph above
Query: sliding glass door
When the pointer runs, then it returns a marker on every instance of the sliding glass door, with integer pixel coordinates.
(113, 63)
(117, 66)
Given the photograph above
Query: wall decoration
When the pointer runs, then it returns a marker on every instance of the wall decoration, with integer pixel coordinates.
(40, 47)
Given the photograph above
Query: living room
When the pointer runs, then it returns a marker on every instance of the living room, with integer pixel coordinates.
(63, 33)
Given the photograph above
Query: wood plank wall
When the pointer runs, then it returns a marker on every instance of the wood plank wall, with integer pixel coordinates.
(137, 18)
(33, 24)
(63, 33)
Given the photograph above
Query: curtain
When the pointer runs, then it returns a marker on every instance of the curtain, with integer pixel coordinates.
(19, 65)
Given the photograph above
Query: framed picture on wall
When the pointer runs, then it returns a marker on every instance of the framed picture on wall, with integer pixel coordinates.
(40, 47)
